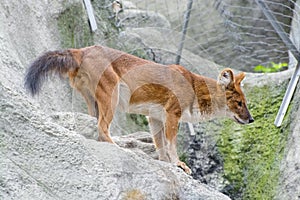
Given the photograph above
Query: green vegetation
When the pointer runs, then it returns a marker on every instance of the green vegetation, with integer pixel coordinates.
(272, 67)
(252, 158)
(74, 28)
(140, 121)
(183, 157)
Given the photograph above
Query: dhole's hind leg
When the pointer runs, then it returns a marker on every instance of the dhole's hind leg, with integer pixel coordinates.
(107, 100)
(91, 102)
(103, 126)
(106, 110)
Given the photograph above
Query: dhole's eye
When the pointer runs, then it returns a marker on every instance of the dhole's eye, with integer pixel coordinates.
(240, 103)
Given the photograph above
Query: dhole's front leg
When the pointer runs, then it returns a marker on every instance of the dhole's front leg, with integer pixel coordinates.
(171, 129)
(165, 136)
(157, 130)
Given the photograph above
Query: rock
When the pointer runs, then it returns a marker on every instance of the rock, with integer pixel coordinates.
(86, 126)
(47, 145)
(205, 159)
(138, 142)
(290, 167)
(208, 36)
(129, 5)
(159, 45)
(83, 124)
(43, 154)
(141, 18)
(36, 23)
(44, 160)
(289, 182)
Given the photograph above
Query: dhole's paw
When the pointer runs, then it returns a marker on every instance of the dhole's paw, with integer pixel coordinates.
(104, 138)
(183, 166)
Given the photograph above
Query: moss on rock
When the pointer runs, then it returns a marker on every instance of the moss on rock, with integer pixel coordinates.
(74, 27)
(252, 153)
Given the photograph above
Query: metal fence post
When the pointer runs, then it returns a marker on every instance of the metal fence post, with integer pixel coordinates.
(91, 16)
(295, 77)
(181, 44)
(184, 30)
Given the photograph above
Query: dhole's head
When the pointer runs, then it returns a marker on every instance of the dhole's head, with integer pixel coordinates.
(235, 98)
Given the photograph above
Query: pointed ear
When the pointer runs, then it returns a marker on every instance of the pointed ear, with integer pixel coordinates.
(239, 78)
(226, 78)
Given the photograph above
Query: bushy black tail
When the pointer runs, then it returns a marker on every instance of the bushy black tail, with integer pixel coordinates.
(58, 62)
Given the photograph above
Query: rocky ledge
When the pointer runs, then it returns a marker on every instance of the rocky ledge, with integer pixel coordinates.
(44, 159)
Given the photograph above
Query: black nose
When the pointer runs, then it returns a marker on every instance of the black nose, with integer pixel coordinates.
(251, 120)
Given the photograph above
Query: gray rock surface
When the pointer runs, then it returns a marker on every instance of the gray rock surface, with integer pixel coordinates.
(141, 142)
(290, 178)
(44, 160)
(289, 187)
(44, 154)
(47, 145)
(140, 18)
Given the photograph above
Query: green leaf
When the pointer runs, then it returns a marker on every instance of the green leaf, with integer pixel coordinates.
(259, 68)
(272, 67)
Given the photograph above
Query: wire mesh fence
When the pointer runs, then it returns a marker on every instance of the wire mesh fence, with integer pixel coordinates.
(205, 36)
(230, 33)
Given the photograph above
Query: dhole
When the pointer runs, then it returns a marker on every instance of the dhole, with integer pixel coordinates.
(109, 79)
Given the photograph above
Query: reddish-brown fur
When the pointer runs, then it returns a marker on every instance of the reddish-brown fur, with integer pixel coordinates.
(109, 79)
